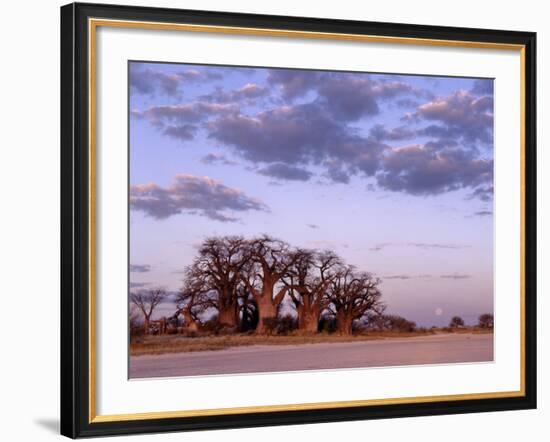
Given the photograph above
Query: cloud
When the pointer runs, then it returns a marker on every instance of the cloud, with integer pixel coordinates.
(407, 103)
(461, 115)
(293, 83)
(349, 99)
(284, 172)
(484, 193)
(184, 132)
(456, 276)
(323, 244)
(138, 285)
(140, 268)
(180, 121)
(418, 245)
(407, 277)
(248, 92)
(193, 195)
(337, 172)
(148, 81)
(314, 130)
(422, 170)
(217, 158)
(483, 87)
(380, 133)
(346, 96)
(421, 245)
(192, 112)
(483, 213)
(318, 133)
(301, 134)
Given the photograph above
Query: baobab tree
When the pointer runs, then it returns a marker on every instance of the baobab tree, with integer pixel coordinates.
(272, 260)
(308, 279)
(193, 299)
(246, 281)
(351, 295)
(217, 269)
(248, 307)
(146, 301)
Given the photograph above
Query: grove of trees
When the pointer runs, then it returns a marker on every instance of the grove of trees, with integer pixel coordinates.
(263, 285)
(243, 283)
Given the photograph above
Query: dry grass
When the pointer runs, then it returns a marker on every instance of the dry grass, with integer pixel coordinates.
(147, 345)
(178, 343)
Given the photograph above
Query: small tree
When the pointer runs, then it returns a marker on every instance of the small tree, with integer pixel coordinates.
(486, 320)
(351, 295)
(146, 301)
(456, 322)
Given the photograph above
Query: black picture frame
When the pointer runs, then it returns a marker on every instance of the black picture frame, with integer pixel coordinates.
(75, 221)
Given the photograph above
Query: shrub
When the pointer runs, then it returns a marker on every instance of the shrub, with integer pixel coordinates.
(211, 326)
(391, 323)
(327, 324)
(486, 320)
(456, 322)
(270, 324)
(286, 324)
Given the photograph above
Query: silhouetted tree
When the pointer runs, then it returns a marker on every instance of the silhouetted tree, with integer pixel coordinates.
(272, 260)
(146, 301)
(456, 322)
(308, 279)
(486, 320)
(246, 281)
(351, 295)
(216, 274)
(390, 323)
(193, 299)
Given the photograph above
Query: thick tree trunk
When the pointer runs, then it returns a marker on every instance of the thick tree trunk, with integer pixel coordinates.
(344, 324)
(190, 323)
(267, 310)
(146, 325)
(227, 316)
(308, 319)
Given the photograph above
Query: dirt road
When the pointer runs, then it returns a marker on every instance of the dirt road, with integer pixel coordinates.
(435, 349)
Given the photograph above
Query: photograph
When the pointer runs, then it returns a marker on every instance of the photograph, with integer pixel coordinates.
(270, 218)
(284, 219)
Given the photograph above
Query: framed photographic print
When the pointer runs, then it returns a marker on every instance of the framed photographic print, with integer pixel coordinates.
(275, 220)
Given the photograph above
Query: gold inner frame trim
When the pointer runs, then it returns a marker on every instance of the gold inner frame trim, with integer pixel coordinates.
(93, 24)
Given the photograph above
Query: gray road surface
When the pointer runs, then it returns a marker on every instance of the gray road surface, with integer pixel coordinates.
(434, 349)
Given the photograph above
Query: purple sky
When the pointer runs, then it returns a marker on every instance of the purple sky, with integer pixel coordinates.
(393, 172)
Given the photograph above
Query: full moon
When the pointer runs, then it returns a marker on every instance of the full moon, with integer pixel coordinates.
(438, 311)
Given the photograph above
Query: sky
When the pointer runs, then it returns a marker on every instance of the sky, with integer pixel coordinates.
(393, 172)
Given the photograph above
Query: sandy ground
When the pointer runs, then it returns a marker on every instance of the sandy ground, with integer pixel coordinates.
(434, 349)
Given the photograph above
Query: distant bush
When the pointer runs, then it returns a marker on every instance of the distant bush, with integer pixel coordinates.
(456, 322)
(286, 324)
(136, 326)
(394, 323)
(271, 324)
(211, 326)
(486, 320)
(327, 324)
